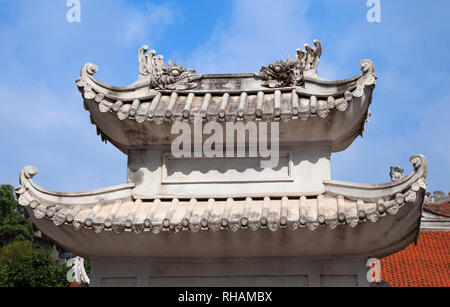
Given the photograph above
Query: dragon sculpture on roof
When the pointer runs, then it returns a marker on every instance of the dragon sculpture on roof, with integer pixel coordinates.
(164, 77)
(291, 73)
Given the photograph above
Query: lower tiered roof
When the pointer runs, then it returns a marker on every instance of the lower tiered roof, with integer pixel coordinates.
(118, 211)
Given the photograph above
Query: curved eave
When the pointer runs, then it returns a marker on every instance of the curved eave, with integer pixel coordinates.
(218, 84)
(274, 220)
(331, 111)
(46, 203)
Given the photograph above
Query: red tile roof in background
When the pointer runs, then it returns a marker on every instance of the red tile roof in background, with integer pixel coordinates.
(424, 265)
(442, 209)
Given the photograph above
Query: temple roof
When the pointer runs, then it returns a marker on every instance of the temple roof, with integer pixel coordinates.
(285, 91)
(117, 210)
(436, 217)
(424, 264)
(442, 209)
(341, 219)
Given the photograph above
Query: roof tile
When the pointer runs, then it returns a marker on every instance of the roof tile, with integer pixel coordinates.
(426, 264)
(441, 209)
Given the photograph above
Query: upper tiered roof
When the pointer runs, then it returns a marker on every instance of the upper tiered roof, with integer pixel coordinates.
(423, 264)
(287, 91)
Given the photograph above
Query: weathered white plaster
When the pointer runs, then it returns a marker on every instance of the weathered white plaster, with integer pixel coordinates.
(302, 170)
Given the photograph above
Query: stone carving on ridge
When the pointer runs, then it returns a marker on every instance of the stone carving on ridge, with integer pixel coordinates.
(160, 76)
(397, 174)
(141, 100)
(368, 78)
(291, 73)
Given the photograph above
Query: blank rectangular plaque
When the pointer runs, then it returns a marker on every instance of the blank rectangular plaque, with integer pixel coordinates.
(224, 170)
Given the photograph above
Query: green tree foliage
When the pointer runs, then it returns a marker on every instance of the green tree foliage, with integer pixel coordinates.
(13, 224)
(22, 262)
(22, 265)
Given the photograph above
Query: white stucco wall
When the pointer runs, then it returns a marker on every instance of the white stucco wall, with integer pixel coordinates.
(301, 169)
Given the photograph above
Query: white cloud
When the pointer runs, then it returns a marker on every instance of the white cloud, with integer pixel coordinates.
(140, 24)
(42, 119)
(257, 33)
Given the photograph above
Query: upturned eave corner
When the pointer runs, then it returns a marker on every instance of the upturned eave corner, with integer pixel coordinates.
(368, 77)
(389, 197)
(64, 207)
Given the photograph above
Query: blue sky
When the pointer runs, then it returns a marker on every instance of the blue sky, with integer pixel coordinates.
(43, 123)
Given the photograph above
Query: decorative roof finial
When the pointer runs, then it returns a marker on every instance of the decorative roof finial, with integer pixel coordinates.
(161, 76)
(291, 73)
